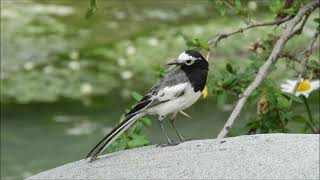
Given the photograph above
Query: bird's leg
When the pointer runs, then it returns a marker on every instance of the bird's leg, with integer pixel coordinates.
(173, 117)
(165, 133)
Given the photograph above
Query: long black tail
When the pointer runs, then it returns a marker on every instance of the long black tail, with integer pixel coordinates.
(110, 137)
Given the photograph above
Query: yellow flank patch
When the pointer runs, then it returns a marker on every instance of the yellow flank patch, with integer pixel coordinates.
(303, 86)
(205, 92)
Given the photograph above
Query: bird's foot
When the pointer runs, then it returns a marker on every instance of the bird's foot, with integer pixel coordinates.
(181, 139)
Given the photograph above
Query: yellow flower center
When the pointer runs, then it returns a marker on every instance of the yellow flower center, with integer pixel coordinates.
(303, 86)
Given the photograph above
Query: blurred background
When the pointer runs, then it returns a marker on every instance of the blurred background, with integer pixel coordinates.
(66, 80)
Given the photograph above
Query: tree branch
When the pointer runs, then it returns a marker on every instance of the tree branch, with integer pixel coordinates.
(217, 39)
(288, 33)
(304, 57)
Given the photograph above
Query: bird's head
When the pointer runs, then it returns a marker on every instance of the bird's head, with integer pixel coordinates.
(190, 59)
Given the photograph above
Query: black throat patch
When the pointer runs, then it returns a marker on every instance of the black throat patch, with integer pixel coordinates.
(197, 77)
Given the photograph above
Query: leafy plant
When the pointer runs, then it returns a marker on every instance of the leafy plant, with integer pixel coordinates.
(92, 9)
(135, 135)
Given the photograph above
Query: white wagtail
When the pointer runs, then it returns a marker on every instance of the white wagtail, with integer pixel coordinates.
(179, 89)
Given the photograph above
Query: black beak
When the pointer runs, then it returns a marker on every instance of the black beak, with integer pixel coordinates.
(175, 62)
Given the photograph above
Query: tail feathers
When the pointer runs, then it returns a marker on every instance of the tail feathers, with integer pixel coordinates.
(110, 137)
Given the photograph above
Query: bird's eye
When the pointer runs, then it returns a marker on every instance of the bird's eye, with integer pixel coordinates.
(189, 62)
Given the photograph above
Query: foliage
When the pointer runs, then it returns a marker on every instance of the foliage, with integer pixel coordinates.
(317, 20)
(275, 108)
(92, 9)
(135, 135)
(75, 65)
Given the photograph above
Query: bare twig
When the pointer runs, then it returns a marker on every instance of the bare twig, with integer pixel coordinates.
(216, 40)
(304, 57)
(299, 30)
(219, 37)
(288, 33)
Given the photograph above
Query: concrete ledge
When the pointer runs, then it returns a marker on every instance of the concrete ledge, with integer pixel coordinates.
(265, 156)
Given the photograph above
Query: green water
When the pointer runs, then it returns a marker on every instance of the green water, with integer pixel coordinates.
(44, 125)
(38, 137)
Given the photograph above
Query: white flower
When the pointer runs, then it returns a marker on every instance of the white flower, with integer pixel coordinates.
(153, 41)
(74, 65)
(198, 31)
(131, 50)
(252, 5)
(305, 87)
(86, 88)
(74, 55)
(7, 13)
(121, 62)
(112, 25)
(28, 66)
(120, 15)
(51, 9)
(82, 128)
(48, 69)
(126, 74)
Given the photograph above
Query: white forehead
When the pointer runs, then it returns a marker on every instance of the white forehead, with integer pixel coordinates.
(184, 56)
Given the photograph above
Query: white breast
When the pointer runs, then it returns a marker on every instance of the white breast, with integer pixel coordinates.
(177, 104)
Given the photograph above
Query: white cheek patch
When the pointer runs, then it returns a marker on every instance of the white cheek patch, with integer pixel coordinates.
(184, 56)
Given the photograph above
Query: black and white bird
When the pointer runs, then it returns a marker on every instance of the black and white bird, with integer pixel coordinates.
(179, 89)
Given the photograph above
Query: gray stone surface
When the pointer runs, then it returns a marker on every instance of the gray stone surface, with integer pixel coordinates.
(268, 156)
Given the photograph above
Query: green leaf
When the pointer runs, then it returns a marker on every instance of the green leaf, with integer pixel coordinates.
(317, 20)
(299, 119)
(276, 6)
(238, 5)
(159, 71)
(118, 145)
(283, 102)
(222, 10)
(221, 100)
(137, 141)
(136, 96)
(230, 69)
(146, 121)
(272, 99)
(188, 41)
(202, 43)
(293, 97)
(139, 128)
(230, 81)
(220, 6)
(89, 13)
(93, 3)
(92, 9)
